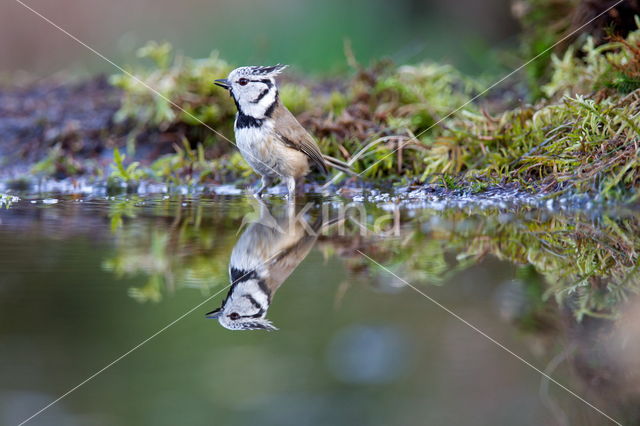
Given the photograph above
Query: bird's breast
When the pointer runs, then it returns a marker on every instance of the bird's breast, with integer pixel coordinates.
(267, 154)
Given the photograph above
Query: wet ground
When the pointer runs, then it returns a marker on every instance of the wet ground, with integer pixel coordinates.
(84, 279)
(40, 115)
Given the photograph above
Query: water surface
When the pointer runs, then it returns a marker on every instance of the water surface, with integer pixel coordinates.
(84, 279)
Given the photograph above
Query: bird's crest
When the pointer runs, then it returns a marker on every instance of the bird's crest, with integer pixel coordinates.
(262, 71)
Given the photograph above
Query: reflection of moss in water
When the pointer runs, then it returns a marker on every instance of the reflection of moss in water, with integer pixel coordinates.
(588, 264)
(591, 266)
(7, 200)
(173, 253)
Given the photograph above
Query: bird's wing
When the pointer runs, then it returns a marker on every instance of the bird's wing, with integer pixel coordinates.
(288, 260)
(291, 132)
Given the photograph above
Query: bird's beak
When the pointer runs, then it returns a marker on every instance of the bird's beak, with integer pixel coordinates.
(215, 314)
(223, 82)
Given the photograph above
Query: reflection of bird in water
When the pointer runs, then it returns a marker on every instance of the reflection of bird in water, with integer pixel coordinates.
(262, 259)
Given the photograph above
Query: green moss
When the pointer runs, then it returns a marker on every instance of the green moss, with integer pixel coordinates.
(295, 97)
(7, 200)
(574, 142)
(175, 80)
(336, 103)
(417, 122)
(597, 67)
(58, 162)
(124, 178)
(423, 93)
(544, 22)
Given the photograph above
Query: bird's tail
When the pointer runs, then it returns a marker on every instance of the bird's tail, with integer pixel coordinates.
(339, 165)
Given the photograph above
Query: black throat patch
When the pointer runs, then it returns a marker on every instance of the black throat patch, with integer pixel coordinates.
(244, 121)
(239, 275)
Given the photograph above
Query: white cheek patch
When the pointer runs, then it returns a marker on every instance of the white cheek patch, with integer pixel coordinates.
(268, 99)
(242, 305)
(258, 294)
(259, 109)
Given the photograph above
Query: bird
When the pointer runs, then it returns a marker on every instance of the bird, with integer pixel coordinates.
(268, 135)
(264, 256)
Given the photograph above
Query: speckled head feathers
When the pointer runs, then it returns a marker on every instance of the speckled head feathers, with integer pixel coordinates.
(259, 71)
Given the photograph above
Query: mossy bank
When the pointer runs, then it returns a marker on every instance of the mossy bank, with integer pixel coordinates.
(425, 123)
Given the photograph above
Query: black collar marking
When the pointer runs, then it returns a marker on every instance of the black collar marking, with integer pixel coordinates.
(242, 275)
(244, 121)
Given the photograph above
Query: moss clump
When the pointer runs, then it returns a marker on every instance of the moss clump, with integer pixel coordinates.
(124, 177)
(577, 144)
(628, 68)
(59, 163)
(386, 107)
(584, 139)
(614, 65)
(557, 24)
(7, 200)
(295, 97)
(179, 80)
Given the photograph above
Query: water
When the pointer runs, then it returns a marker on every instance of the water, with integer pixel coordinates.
(85, 279)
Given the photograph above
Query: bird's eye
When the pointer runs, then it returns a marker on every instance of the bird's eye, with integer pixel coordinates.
(234, 315)
(243, 82)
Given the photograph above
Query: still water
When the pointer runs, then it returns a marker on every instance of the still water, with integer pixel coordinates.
(85, 280)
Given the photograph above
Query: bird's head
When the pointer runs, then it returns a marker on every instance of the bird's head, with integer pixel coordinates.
(253, 88)
(244, 308)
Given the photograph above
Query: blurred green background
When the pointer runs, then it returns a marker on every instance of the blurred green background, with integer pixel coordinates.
(307, 34)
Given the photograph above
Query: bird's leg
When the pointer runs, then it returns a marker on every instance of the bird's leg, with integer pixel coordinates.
(291, 187)
(300, 186)
(266, 182)
(291, 215)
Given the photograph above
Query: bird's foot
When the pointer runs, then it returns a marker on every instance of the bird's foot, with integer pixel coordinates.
(263, 187)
